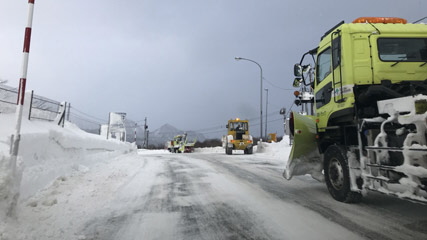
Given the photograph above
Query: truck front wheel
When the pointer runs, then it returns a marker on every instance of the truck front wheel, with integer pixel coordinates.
(337, 175)
(228, 151)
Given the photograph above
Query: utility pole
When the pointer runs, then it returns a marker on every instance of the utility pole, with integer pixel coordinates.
(286, 127)
(145, 145)
(283, 112)
(266, 113)
(135, 134)
(68, 113)
(109, 123)
(148, 133)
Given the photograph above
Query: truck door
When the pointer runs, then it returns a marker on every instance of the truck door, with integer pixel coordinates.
(328, 90)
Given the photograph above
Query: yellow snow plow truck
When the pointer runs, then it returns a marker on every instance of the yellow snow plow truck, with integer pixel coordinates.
(237, 137)
(365, 118)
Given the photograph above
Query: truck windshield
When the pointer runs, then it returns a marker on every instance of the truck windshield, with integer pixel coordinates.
(402, 49)
(239, 126)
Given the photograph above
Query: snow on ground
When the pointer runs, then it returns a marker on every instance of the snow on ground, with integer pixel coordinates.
(276, 150)
(55, 165)
(48, 152)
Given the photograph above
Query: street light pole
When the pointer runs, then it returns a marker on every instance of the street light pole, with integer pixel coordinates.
(266, 113)
(260, 105)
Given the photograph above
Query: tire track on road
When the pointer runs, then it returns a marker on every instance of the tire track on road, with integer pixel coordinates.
(287, 192)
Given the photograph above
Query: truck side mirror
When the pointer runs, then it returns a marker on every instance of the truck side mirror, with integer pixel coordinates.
(226, 126)
(297, 70)
(297, 82)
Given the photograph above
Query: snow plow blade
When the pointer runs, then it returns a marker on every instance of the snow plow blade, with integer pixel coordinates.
(305, 157)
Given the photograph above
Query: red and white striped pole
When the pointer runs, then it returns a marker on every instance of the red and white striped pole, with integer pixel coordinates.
(22, 82)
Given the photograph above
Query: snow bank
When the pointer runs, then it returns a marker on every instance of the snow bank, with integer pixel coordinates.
(48, 152)
(55, 152)
(9, 186)
(151, 152)
(276, 150)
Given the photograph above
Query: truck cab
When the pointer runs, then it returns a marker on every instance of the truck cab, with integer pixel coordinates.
(369, 95)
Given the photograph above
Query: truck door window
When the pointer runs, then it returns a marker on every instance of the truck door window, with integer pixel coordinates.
(402, 49)
(323, 65)
(336, 52)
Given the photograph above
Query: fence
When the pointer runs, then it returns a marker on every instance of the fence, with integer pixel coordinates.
(8, 98)
(43, 108)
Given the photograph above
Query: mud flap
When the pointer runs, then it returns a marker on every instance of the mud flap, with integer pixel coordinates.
(305, 157)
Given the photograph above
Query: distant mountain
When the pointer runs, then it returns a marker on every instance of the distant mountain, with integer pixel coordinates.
(167, 132)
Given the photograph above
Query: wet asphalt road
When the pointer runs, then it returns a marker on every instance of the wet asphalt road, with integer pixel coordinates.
(215, 196)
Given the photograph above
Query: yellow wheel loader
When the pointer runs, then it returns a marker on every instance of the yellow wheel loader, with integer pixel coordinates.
(363, 122)
(237, 137)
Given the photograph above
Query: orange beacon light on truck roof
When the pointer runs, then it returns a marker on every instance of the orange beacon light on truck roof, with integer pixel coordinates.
(380, 20)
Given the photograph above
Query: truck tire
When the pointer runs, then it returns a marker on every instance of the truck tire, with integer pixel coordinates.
(337, 175)
(228, 151)
(249, 150)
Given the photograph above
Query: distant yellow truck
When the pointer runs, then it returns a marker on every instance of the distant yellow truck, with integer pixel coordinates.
(238, 137)
(272, 137)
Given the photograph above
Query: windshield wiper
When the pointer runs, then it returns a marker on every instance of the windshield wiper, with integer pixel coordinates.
(402, 60)
(423, 64)
(394, 64)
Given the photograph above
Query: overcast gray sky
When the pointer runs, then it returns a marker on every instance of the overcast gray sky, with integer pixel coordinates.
(173, 60)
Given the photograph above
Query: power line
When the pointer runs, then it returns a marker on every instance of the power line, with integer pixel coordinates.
(90, 116)
(207, 129)
(140, 120)
(285, 89)
(84, 119)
